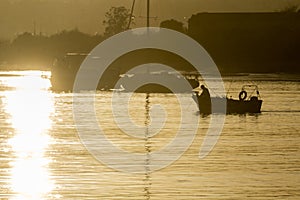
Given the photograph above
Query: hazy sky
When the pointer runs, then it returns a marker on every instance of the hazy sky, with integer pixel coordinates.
(51, 16)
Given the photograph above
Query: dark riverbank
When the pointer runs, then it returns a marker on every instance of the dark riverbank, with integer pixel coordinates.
(238, 43)
(250, 42)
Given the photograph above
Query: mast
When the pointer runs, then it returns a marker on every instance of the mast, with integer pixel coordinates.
(148, 13)
(34, 28)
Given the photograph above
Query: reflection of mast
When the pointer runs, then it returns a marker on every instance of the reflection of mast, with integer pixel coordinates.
(147, 149)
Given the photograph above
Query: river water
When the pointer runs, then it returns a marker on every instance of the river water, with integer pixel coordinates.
(42, 156)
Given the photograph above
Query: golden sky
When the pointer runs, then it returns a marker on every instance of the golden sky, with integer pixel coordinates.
(51, 16)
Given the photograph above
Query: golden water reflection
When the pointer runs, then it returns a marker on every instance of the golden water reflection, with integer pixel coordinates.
(29, 105)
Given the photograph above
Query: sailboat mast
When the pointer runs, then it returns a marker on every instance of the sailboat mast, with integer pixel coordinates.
(148, 13)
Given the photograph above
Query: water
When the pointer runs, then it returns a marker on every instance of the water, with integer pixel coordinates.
(42, 157)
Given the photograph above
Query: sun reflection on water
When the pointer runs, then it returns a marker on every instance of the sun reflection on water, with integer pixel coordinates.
(30, 106)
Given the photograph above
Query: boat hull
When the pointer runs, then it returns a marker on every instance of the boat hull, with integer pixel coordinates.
(228, 106)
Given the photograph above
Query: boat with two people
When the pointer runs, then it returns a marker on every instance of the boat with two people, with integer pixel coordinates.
(247, 103)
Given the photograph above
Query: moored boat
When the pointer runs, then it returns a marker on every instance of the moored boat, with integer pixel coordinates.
(64, 71)
(176, 81)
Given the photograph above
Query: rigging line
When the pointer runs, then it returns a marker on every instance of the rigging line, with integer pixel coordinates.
(131, 14)
(138, 12)
(156, 14)
(140, 5)
(170, 13)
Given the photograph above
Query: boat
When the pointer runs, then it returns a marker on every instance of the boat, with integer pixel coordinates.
(63, 71)
(161, 81)
(245, 104)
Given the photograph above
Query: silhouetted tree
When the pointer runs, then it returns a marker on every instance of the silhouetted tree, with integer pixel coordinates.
(27, 48)
(72, 41)
(117, 19)
(174, 25)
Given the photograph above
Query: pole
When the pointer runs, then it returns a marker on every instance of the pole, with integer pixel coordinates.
(148, 13)
(34, 28)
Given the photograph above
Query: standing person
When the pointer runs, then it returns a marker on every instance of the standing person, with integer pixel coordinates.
(204, 101)
(205, 93)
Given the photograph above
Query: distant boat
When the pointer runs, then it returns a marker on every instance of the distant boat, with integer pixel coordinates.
(64, 70)
(176, 81)
(245, 103)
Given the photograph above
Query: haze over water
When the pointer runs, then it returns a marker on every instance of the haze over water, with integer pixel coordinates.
(41, 156)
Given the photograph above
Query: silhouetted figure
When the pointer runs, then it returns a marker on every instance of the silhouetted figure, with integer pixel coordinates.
(204, 100)
(205, 93)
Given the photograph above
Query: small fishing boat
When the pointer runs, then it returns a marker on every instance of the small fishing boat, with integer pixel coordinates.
(245, 104)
